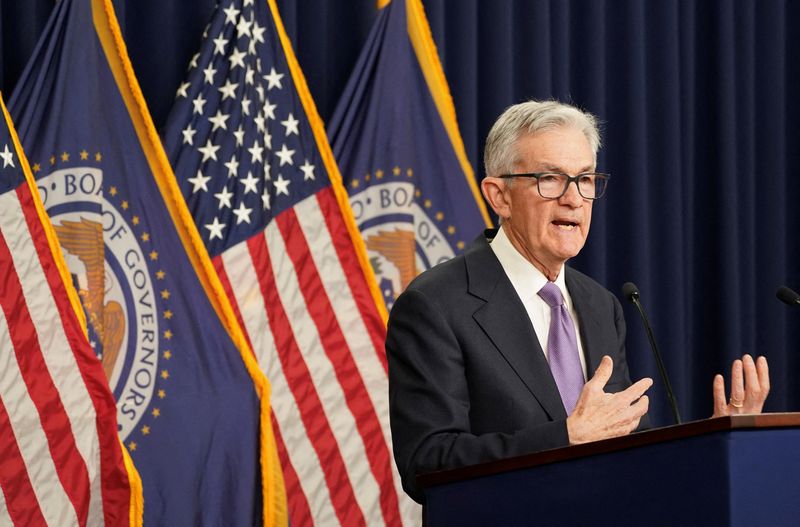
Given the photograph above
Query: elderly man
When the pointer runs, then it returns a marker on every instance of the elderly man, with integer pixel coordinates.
(490, 352)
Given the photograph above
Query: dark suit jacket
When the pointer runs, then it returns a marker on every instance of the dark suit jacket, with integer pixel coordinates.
(468, 381)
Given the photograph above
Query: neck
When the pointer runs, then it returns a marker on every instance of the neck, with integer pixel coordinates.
(550, 270)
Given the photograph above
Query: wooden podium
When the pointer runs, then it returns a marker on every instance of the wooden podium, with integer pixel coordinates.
(740, 470)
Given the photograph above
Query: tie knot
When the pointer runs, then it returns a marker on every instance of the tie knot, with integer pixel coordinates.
(551, 294)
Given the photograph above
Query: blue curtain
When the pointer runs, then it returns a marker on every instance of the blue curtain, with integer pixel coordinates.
(699, 103)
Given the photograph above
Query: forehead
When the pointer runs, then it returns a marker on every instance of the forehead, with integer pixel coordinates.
(562, 149)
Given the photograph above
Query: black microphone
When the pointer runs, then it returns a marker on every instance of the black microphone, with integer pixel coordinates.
(631, 293)
(788, 296)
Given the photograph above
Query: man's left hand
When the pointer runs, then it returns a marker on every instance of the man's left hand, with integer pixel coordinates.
(749, 388)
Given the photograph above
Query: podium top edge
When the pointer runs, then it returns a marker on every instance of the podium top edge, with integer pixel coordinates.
(648, 437)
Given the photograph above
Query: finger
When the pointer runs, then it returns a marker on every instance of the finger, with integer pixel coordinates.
(634, 424)
(737, 383)
(635, 390)
(720, 404)
(603, 372)
(641, 406)
(634, 413)
(763, 375)
(752, 387)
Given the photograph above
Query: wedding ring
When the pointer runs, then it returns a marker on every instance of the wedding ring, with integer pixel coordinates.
(736, 404)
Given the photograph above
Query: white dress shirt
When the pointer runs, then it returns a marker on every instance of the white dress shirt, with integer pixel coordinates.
(527, 281)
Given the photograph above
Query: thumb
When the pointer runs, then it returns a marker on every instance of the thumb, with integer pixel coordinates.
(603, 372)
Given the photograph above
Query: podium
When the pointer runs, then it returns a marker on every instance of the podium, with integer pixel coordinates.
(738, 470)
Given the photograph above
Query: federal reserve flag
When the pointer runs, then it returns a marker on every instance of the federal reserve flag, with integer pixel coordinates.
(62, 463)
(192, 405)
(252, 160)
(396, 139)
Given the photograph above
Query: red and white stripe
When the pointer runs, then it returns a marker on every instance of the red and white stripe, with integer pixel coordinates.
(304, 302)
(57, 419)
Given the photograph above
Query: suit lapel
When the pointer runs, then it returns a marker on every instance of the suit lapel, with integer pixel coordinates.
(589, 320)
(504, 320)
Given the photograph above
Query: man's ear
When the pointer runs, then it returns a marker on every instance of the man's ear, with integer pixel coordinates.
(495, 191)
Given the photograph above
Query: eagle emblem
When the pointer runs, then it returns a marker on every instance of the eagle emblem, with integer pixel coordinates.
(398, 248)
(84, 240)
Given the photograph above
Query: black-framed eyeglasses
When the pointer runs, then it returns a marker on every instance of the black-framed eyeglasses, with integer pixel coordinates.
(553, 185)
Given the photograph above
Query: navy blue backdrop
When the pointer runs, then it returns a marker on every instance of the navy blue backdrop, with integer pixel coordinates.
(699, 102)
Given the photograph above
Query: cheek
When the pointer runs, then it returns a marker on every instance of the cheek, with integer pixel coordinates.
(587, 219)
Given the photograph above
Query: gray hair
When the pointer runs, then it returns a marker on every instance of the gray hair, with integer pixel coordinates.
(500, 154)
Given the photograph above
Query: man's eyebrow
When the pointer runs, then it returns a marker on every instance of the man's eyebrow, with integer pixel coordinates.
(560, 170)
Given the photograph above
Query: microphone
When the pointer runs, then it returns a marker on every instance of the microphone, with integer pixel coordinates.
(631, 293)
(788, 296)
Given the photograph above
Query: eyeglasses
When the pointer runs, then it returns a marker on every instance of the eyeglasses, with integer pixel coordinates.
(552, 185)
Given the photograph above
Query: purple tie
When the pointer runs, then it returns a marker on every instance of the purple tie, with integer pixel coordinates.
(562, 348)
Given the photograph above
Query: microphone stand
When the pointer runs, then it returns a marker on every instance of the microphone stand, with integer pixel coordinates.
(633, 295)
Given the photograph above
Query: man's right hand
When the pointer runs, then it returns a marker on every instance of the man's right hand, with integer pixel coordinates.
(600, 415)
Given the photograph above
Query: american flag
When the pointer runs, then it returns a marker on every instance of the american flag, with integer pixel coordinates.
(61, 461)
(252, 160)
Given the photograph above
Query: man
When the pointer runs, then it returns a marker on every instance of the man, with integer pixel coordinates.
(489, 352)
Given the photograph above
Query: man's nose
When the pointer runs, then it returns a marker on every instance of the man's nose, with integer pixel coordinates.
(572, 197)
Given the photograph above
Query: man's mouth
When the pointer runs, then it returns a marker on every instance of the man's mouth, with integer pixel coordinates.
(565, 224)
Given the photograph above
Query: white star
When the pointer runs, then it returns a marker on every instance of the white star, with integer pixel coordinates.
(269, 109)
(239, 134)
(267, 168)
(199, 182)
(8, 157)
(248, 2)
(182, 90)
(251, 48)
(291, 125)
(268, 139)
(248, 75)
(233, 166)
(260, 90)
(193, 62)
(259, 120)
(265, 198)
(219, 120)
(308, 170)
(237, 58)
(188, 133)
(215, 229)
(250, 183)
(198, 103)
(208, 73)
(246, 106)
(258, 32)
(209, 151)
(219, 45)
(242, 28)
(230, 14)
(286, 155)
(282, 185)
(273, 79)
(256, 152)
(224, 197)
(228, 89)
(242, 213)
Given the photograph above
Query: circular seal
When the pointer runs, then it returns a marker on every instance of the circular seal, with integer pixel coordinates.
(401, 239)
(110, 272)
